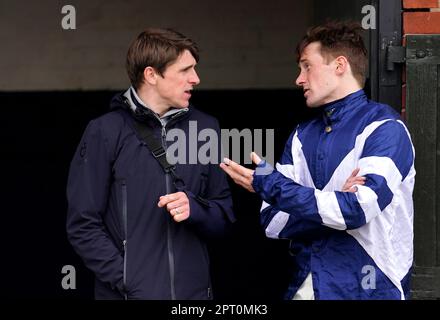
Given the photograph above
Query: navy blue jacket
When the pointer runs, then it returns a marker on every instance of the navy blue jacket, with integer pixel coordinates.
(134, 247)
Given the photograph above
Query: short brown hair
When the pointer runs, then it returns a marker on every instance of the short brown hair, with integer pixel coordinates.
(156, 48)
(339, 39)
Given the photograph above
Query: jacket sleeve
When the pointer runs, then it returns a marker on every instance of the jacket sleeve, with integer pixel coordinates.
(87, 195)
(386, 160)
(278, 224)
(212, 213)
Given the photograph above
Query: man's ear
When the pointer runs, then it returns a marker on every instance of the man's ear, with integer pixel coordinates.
(342, 65)
(150, 75)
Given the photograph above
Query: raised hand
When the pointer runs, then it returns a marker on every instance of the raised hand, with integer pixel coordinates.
(241, 175)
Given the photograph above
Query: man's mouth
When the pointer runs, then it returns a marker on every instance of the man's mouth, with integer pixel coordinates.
(306, 91)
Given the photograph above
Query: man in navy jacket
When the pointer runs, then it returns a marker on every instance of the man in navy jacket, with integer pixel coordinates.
(140, 232)
(346, 243)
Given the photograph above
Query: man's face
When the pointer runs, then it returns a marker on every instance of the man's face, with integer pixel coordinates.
(179, 78)
(317, 78)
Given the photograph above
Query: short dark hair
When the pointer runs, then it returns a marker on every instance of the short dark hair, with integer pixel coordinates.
(341, 38)
(156, 48)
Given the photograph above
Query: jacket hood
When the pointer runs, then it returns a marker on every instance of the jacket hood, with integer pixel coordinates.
(118, 102)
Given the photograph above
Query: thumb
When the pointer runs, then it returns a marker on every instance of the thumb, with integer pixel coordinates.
(255, 158)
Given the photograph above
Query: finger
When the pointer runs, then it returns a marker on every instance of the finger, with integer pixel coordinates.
(176, 204)
(225, 168)
(355, 180)
(353, 189)
(174, 212)
(184, 209)
(177, 196)
(347, 185)
(255, 158)
(181, 213)
(164, 200)
(181, 217)
(230, 171)
(355, 172)
(238, 168)
(244, 181)
(359, 180)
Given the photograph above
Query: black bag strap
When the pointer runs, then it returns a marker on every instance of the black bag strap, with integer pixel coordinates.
(155, 146)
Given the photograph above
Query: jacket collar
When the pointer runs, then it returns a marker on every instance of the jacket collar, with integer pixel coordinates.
(141, 112)
(335, 110)
(140, 108)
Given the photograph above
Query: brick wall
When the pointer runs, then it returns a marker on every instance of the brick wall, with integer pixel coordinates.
(421, 16)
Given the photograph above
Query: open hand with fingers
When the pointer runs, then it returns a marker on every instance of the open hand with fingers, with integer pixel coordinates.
(241, 175)
(177, 204)
(244, 176)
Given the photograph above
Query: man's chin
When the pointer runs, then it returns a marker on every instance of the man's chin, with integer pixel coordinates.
(310, 104)
(182, 106)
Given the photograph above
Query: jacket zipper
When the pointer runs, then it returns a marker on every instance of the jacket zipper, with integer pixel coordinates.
(124, 242)
(169, 222)
(168, 184)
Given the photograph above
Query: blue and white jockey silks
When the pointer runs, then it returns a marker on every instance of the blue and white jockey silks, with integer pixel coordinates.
(355, 245)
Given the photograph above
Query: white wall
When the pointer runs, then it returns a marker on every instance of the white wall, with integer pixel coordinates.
(244, 43)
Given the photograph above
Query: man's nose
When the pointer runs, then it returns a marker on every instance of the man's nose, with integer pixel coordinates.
(300, 80)
(194, 79)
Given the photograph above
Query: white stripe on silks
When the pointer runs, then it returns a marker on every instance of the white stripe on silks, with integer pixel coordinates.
(264, 206)
(361, 138)
(277, 224)
(329, 210)
(300, 168)
(367, 199)
(388, 238)
(286, 170)
(374, 238)
(350, 161)
(341, 173)
(382, 166)
(409, 135)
